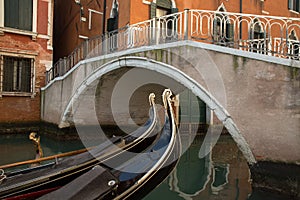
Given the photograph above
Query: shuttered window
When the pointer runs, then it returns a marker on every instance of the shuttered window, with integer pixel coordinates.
(17, 74)
(294, 5)
(18, 14)
(161, 5)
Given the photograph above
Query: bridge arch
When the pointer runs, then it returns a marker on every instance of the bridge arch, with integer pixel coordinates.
(174, 73)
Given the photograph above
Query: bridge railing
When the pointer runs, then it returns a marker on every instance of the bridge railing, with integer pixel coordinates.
(154, 31)
(269, 35)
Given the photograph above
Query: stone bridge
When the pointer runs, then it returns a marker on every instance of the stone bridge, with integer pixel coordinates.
(254, 95)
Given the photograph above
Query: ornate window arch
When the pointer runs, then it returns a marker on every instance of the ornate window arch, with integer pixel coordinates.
(293, 45)
(222, 28)
(113, 20)
(256, 30)
(258, 41)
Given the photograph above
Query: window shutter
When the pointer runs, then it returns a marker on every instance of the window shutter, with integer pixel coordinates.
(152, 10)
(290, 4)
(229, 32)
(112, 24)
(164, 4)
(174, 10)
(297, 5)
(215, 30)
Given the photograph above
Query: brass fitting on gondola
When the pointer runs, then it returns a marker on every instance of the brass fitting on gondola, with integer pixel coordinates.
(166, 96)
(36, 140)
(151, 99)
(2, 175)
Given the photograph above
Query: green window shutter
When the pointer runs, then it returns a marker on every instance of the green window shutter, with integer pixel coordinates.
(164, 4)
(174, 10)
(192, 108)
(297, 5)
(290, 4)
(152, 10)
(229, 32)
(215, 30)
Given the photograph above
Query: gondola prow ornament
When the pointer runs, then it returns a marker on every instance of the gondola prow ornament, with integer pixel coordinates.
(36, 140)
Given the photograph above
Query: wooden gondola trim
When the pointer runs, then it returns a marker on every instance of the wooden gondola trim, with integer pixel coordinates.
(44, 159)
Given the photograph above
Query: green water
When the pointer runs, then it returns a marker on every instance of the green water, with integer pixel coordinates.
(18, 147)
(222, 174)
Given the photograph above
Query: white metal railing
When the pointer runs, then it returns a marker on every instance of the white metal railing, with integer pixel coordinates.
(269, 35)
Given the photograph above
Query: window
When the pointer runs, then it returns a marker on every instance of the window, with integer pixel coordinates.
(16, 74)
(258, 41)
(223, 30)
(18, 14)
(161, 12)
(294, 5)
(293, 46)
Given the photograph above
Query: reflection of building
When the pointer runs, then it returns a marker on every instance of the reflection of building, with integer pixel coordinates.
(25, 55)
(223, 173)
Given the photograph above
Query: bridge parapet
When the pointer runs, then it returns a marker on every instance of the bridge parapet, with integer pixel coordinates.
(268, 35)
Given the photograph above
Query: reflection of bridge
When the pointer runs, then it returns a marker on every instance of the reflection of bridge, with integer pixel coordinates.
(252, 87)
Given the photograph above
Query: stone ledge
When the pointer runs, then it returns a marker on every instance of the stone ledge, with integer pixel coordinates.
(280, 178)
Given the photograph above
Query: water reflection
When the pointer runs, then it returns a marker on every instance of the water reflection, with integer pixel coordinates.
(18, 147)
(222, 174)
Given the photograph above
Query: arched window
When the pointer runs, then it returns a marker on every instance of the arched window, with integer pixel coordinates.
(257, 32)
(113, 25)
(293, 45)
(258, 38)
(112, 22)
(222, 28)
(165, 27)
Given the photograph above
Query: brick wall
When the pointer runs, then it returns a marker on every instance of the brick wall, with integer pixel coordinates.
(21, 109)
(26, 108)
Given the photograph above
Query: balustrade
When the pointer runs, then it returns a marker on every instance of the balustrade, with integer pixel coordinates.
(268, 35)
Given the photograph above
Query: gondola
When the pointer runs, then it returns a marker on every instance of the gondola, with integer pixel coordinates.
(112, 174)
(49, 176)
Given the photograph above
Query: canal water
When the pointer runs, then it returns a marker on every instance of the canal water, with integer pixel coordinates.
(222, 174)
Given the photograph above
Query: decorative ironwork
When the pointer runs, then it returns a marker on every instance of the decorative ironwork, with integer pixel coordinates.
(268, 35)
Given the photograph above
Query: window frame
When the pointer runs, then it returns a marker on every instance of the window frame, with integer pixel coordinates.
(32, 92)
(33, 31)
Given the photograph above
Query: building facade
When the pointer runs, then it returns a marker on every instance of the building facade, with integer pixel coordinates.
(79, 20)
(90, 13)
(25, 55)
